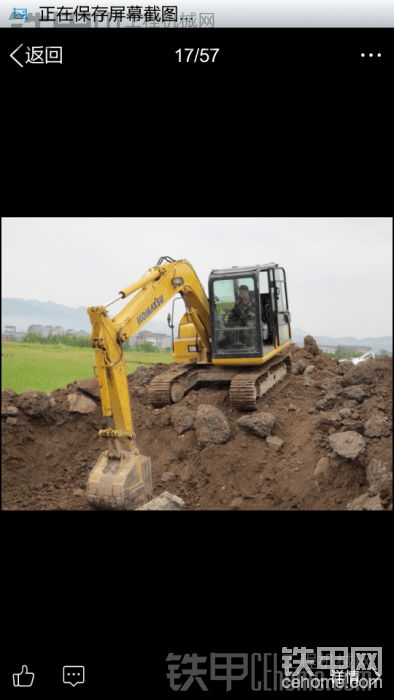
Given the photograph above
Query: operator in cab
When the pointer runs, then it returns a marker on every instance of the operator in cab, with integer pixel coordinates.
(243, 311)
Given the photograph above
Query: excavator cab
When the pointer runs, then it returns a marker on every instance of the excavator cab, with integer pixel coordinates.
(248, 312)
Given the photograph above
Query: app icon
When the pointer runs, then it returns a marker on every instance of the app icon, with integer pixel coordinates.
(20, 14)
(24, 679)
(73, 674)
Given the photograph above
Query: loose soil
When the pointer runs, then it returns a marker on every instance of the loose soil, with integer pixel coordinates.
(47, 458)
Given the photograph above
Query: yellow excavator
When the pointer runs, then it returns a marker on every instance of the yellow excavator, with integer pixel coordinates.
(241, 334)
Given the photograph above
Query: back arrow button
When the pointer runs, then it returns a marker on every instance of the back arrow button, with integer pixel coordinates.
(13, 57)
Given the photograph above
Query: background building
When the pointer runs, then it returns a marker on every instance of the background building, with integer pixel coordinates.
(34, 328)
(327, 348)
(10, 331)
(47, 331)
(159, 340)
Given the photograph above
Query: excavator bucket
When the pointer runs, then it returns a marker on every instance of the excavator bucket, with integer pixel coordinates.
(122, 483)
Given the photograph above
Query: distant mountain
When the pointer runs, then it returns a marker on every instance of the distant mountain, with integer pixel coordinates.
(24, 312)
(298, 332)
(382, 343)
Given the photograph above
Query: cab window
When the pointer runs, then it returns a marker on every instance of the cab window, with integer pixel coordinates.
(235, 321)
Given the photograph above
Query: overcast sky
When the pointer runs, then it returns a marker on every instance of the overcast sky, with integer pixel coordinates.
(339, 270)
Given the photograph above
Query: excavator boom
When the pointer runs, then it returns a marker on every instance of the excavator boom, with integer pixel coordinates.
(122, 477)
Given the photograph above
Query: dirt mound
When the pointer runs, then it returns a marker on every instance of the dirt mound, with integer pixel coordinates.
(49, 446)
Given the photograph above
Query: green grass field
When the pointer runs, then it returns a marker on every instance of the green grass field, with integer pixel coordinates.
(46, 368)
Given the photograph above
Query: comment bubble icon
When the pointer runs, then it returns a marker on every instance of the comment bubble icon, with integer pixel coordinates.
(73, 674)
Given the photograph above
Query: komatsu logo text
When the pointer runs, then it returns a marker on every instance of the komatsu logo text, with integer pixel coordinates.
(157, 302)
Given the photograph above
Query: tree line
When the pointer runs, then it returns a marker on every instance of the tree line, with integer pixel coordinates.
(147, 346)
(343, 353)
(83, 342)
(74, 340)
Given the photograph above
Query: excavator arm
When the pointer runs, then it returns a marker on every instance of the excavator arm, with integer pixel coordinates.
(157, 287)
(121, 478)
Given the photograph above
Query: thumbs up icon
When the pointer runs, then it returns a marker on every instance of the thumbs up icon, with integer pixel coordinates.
(23, 679)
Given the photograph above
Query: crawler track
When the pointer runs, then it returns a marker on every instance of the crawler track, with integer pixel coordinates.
(250, 384)
(159, 388)
(246, 385)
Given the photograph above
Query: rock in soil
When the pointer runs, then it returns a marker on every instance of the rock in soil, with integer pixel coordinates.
(274, 443)
(211, 426)
(57, 448)
(166, 501)
(260, 423)
(349, 445)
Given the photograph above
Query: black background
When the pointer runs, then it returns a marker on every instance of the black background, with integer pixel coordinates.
(285, 121)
